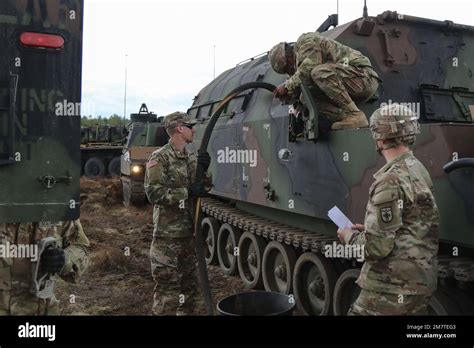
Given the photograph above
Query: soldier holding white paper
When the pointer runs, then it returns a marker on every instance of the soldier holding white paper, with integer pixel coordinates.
(400, 234)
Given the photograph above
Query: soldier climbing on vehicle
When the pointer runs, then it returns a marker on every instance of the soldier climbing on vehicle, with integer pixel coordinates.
(337, 76)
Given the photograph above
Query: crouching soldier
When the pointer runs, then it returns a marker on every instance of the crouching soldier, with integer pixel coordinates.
(31, 257)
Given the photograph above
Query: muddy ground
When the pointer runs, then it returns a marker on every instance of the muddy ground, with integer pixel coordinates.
(116, 284)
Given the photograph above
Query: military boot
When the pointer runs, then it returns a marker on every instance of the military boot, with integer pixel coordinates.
(353, 118)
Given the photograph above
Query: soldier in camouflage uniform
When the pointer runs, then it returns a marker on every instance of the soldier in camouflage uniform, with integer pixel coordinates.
(400, 234)
(335, 73)
(169, 185)
(69, 260)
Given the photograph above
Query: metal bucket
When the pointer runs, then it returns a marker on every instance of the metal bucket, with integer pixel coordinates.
(256, 303)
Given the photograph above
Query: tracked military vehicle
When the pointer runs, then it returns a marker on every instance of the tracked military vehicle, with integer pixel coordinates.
(145, 135)
(266, 217)
(40, 73)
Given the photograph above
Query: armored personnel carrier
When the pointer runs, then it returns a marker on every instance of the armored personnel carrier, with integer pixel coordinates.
(40, 72)
(277, 176)
(145, 135)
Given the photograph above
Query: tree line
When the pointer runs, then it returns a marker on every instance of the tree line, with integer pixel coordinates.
(113, 120)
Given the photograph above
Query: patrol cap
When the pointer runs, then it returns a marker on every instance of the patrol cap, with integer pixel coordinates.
(176, 118)
(392, 121)
(277, 57)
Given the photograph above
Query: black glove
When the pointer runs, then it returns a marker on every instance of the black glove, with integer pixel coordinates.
(204, 160)
(52, 260)
(196, 190)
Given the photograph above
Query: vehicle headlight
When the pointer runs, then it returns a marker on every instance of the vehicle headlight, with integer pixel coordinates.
(136, 169)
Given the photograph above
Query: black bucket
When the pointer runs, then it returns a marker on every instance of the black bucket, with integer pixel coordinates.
(256, 303)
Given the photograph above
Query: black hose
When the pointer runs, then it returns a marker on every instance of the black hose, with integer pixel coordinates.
(203, 276)
(458, 164)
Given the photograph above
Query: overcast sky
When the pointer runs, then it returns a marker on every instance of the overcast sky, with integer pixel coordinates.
(170, 44)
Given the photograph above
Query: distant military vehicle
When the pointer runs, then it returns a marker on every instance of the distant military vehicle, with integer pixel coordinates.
(40, 95)
(145, 135)
(276, 174)
(101, 147)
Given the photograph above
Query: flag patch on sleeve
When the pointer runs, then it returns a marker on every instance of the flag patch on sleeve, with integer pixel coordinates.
(151, 164)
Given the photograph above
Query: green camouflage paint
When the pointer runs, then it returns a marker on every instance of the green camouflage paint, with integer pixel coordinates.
(338, 168)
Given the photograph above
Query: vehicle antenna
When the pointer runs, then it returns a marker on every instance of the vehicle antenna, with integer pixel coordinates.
(365, 13)
(125, 90)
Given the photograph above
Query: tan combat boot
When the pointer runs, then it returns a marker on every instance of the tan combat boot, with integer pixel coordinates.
(353, 118)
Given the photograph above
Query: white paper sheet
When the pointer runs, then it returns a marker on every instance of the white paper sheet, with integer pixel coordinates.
(338, 217)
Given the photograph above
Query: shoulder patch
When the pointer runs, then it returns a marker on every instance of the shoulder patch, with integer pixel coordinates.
(151, 163)
(386, 214)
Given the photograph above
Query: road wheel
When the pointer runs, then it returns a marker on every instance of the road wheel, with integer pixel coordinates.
(441, 304)
(313, 283)
(94, 167)
(114, 167)
(251, 249)
(227, 251)
(210, 229)
(346, 291)
(277, 268)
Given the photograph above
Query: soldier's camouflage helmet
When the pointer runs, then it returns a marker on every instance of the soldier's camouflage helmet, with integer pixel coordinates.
(176, 118)
(393, 121)
(277, 57)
